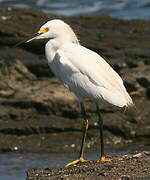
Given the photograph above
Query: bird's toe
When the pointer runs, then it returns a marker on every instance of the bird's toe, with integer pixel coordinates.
(104, 159)
(81, 159)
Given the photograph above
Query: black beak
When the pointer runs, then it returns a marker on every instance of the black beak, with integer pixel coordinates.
(28, 39)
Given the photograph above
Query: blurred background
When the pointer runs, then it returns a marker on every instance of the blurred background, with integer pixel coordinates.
(40, 122)
(123, 9)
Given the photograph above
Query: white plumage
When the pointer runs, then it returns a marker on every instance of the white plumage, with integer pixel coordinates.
(86, 73)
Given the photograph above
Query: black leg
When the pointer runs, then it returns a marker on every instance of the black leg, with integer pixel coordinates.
(85, 128)
(100, 122)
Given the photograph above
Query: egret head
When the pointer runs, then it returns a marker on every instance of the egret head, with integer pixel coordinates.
(53, 29)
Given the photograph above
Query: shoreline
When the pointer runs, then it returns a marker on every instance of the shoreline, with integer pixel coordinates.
(38, 113)
(33, 101)
(129, 166)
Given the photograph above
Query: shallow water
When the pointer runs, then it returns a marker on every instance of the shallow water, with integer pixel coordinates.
(124, 9)
(13, 165)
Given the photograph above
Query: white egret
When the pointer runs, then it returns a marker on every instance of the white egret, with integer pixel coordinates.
(84, 72)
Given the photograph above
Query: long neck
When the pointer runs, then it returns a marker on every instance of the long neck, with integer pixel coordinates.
(54, 44)
(50, 49)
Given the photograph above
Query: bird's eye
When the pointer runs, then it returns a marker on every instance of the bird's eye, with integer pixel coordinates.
(46, 29)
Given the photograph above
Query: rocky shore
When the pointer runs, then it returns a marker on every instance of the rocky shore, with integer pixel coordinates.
(127, 167)
(37, 112)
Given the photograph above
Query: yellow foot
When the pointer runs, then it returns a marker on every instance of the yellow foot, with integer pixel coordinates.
(81, 159)
(104, 159)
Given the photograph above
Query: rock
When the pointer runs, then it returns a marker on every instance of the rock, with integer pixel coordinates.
(14, 70)
(130, 166)
(148, 92)
(115, 39)
(143, 82)
(34, 104)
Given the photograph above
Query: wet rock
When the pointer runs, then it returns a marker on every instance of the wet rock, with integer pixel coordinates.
(34, 104)
(130, 86)
(14, 70)
(131, 64)
(148, 92)
(39, 68)
(129, 166)
(109, 37)
(143, 82)
(40, 108)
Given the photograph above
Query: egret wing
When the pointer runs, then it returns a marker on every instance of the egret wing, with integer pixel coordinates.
(77, 65)
(90, 64)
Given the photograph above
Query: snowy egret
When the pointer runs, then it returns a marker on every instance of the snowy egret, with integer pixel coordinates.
(84, 72)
